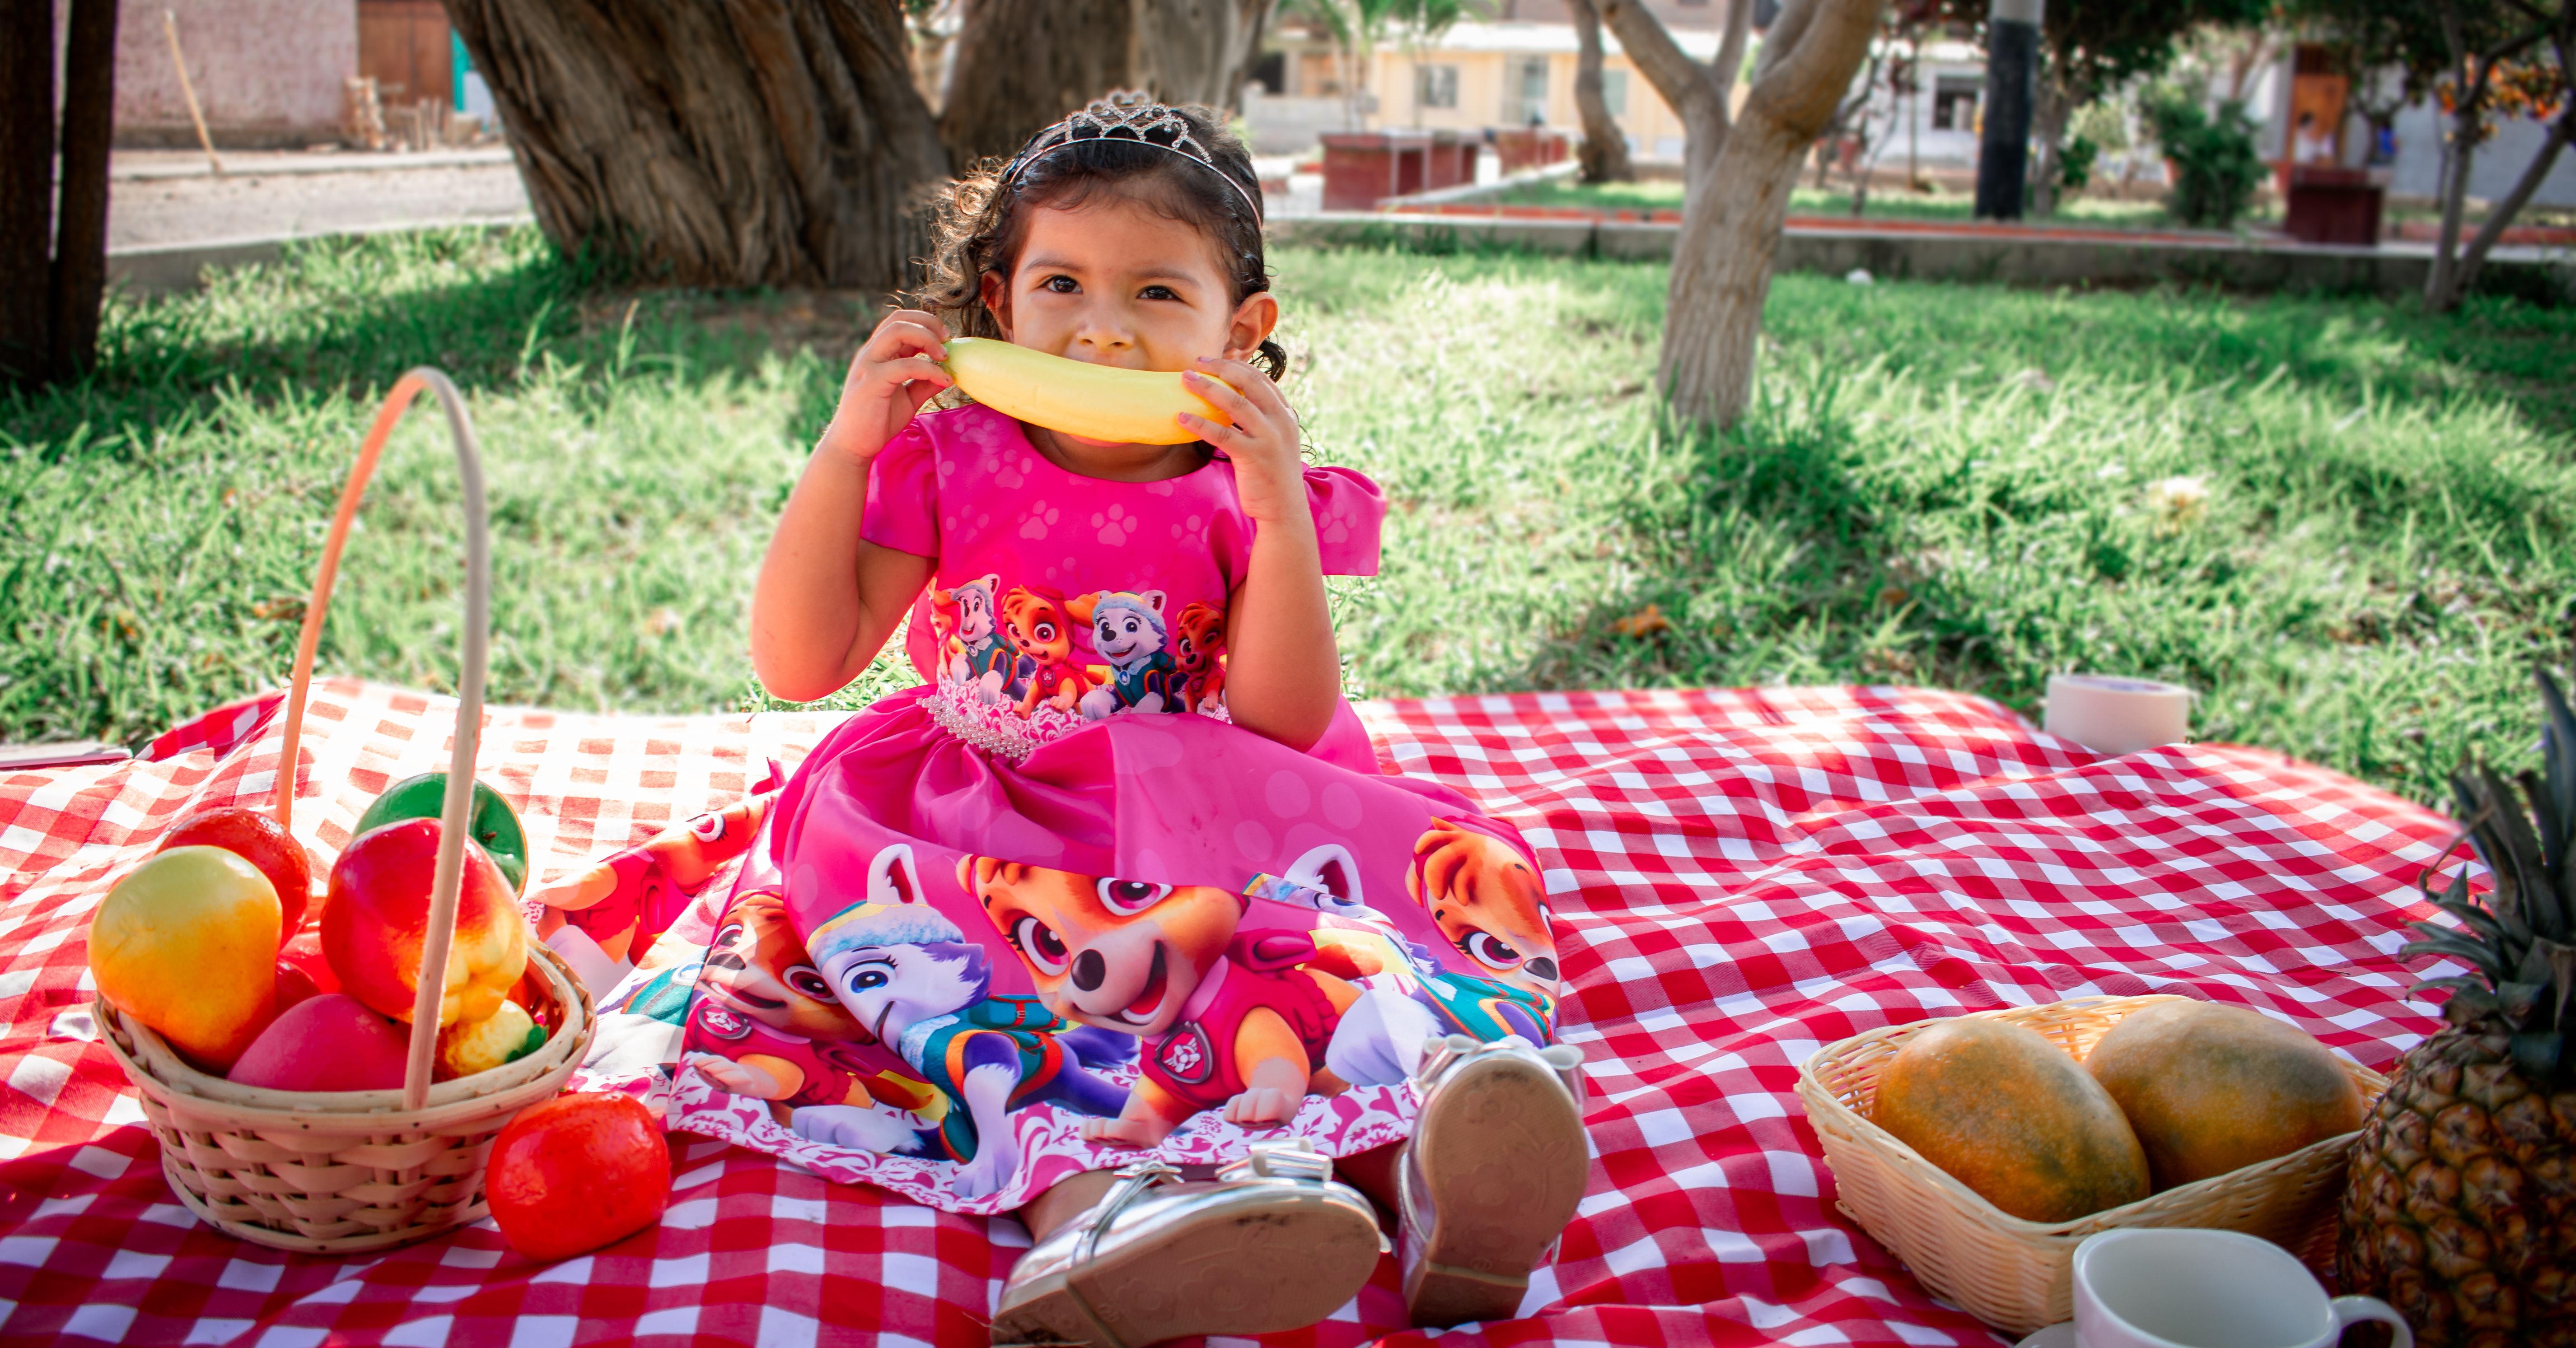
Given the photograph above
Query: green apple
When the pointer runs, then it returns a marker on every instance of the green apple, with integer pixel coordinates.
(493, 823)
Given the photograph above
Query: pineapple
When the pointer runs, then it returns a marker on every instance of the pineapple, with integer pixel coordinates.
(2461, 1211)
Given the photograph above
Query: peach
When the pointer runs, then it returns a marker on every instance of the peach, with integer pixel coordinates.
(376, 911)
(187, 944)
(330, 1042)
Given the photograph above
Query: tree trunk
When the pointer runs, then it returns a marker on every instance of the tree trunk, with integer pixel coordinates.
(79, 278)
(2052, 109)
(1021, 64)
(26, 189)
(764, 142)
(2441, 280)
(1722, 261)
(1605, 149)
(2503, 212)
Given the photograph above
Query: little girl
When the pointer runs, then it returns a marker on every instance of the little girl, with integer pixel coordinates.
(1130, 816)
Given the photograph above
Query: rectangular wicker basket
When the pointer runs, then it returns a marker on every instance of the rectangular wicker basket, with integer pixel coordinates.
(2015, 1274)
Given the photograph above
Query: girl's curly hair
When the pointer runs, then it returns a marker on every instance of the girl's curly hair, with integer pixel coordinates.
(982, 219)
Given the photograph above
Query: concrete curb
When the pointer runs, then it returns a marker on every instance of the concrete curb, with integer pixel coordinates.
(254, 165)
(1963, 256)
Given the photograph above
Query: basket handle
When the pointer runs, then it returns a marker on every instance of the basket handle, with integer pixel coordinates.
(439, 933)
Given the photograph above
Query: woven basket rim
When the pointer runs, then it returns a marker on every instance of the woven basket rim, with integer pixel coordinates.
(154, 1067)
(1823, 1106)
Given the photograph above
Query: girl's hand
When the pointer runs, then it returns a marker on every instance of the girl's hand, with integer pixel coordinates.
(896, 370)
(1268, 474)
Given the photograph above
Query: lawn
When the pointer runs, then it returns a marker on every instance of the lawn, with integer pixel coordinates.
(1941, 485)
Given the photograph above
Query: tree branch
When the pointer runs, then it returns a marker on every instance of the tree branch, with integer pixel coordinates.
(2503, 212)
(1683, 82)
(1813, 40)
(1730, 52)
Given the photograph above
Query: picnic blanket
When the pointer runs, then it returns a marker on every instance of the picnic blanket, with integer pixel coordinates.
(1740, 877)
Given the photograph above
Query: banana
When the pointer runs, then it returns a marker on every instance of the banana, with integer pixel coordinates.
(1096, 402)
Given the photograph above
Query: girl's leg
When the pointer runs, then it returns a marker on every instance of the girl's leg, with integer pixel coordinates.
(1070, 1198)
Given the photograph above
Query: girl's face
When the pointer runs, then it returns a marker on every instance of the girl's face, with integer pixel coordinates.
(1113, 282)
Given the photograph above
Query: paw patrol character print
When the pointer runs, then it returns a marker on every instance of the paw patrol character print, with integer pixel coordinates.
(1198, 654)
(1036, 625)
(1127, 630)
(1246, 1023)
(626, 899)
(974, 652)
(1488, 902)
(764, 1023)
(911, 977)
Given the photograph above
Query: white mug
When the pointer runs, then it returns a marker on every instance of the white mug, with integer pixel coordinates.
(2178, 1287)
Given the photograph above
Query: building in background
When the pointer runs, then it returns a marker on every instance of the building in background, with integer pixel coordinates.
(266, 72)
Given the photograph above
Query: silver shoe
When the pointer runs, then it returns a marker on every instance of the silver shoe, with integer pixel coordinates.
(1272, 1243)
(1498, 1162)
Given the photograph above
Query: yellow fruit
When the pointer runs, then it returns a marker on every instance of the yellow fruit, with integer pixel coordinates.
(187, 944)
(1095, 402)
(2008, 1114)
(481, 1045)
(2211, 1088)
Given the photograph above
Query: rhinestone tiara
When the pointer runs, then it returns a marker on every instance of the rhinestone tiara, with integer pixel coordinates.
(1129, 116)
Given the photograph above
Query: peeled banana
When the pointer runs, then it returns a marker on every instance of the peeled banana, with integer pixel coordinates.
(1095, 402)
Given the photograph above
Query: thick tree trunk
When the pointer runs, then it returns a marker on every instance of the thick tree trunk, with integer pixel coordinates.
(1605, 148)
(26, 189)
(764, 142)
(79, 279)
(1021, 64)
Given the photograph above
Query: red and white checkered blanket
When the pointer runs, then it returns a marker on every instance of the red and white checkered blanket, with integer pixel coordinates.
(1743, 876)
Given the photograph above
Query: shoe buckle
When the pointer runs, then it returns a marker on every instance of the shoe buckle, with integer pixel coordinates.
(1293, 1158)
(1135, 1179)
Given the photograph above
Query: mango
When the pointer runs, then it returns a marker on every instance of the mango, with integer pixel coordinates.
(187, 944)
(1095, 402)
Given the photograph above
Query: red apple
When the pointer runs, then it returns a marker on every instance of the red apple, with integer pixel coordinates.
(294, 986)
(327, 1043)
(304, 951)
(577, 1172)
(256, 837)
(374, 916)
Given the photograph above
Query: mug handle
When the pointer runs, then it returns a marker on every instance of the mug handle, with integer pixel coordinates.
(2349, 1311)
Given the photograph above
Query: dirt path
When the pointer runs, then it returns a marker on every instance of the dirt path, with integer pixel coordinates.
(164, 199)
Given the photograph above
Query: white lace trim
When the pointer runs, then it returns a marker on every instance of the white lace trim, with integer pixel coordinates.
(999, 729)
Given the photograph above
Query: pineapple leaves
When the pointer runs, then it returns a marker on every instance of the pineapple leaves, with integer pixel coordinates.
(2558, 970)
(2538, 1055)
(2558, 754)
(2510, 849)
(2518, 1000)
(2471, 916)
(2443, 941)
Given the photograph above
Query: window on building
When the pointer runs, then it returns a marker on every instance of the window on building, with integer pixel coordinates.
(1271, 73)
(1526, 94)
(1614, 91)
(1954, 102)
(1437, 87)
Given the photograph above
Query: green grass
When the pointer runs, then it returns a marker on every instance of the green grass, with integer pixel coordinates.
(1884, 203)
(1940, 485)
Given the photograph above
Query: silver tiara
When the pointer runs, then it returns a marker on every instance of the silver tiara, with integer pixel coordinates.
(1129, 116)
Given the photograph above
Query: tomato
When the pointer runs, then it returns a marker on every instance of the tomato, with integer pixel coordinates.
(578, 1172)
(256, 837)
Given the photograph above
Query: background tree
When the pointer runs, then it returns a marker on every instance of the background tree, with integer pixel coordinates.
(1603, 157)
(2089, 48)
(1738, 174)
(2481, 59)
(1018, 65)
(781, 143)
(53, 237)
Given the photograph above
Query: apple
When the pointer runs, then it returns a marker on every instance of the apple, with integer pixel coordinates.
(255, 837)
(331, 1042)
(294, 986)
(376, 911)
(577, 1172)
(492, 823)
(187, 944)
(304, 951)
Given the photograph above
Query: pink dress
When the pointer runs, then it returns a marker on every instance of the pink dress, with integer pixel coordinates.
(1064, 811)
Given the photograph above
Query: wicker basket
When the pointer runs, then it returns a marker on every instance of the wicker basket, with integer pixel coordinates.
(2015, 1274)
(337, 1172)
